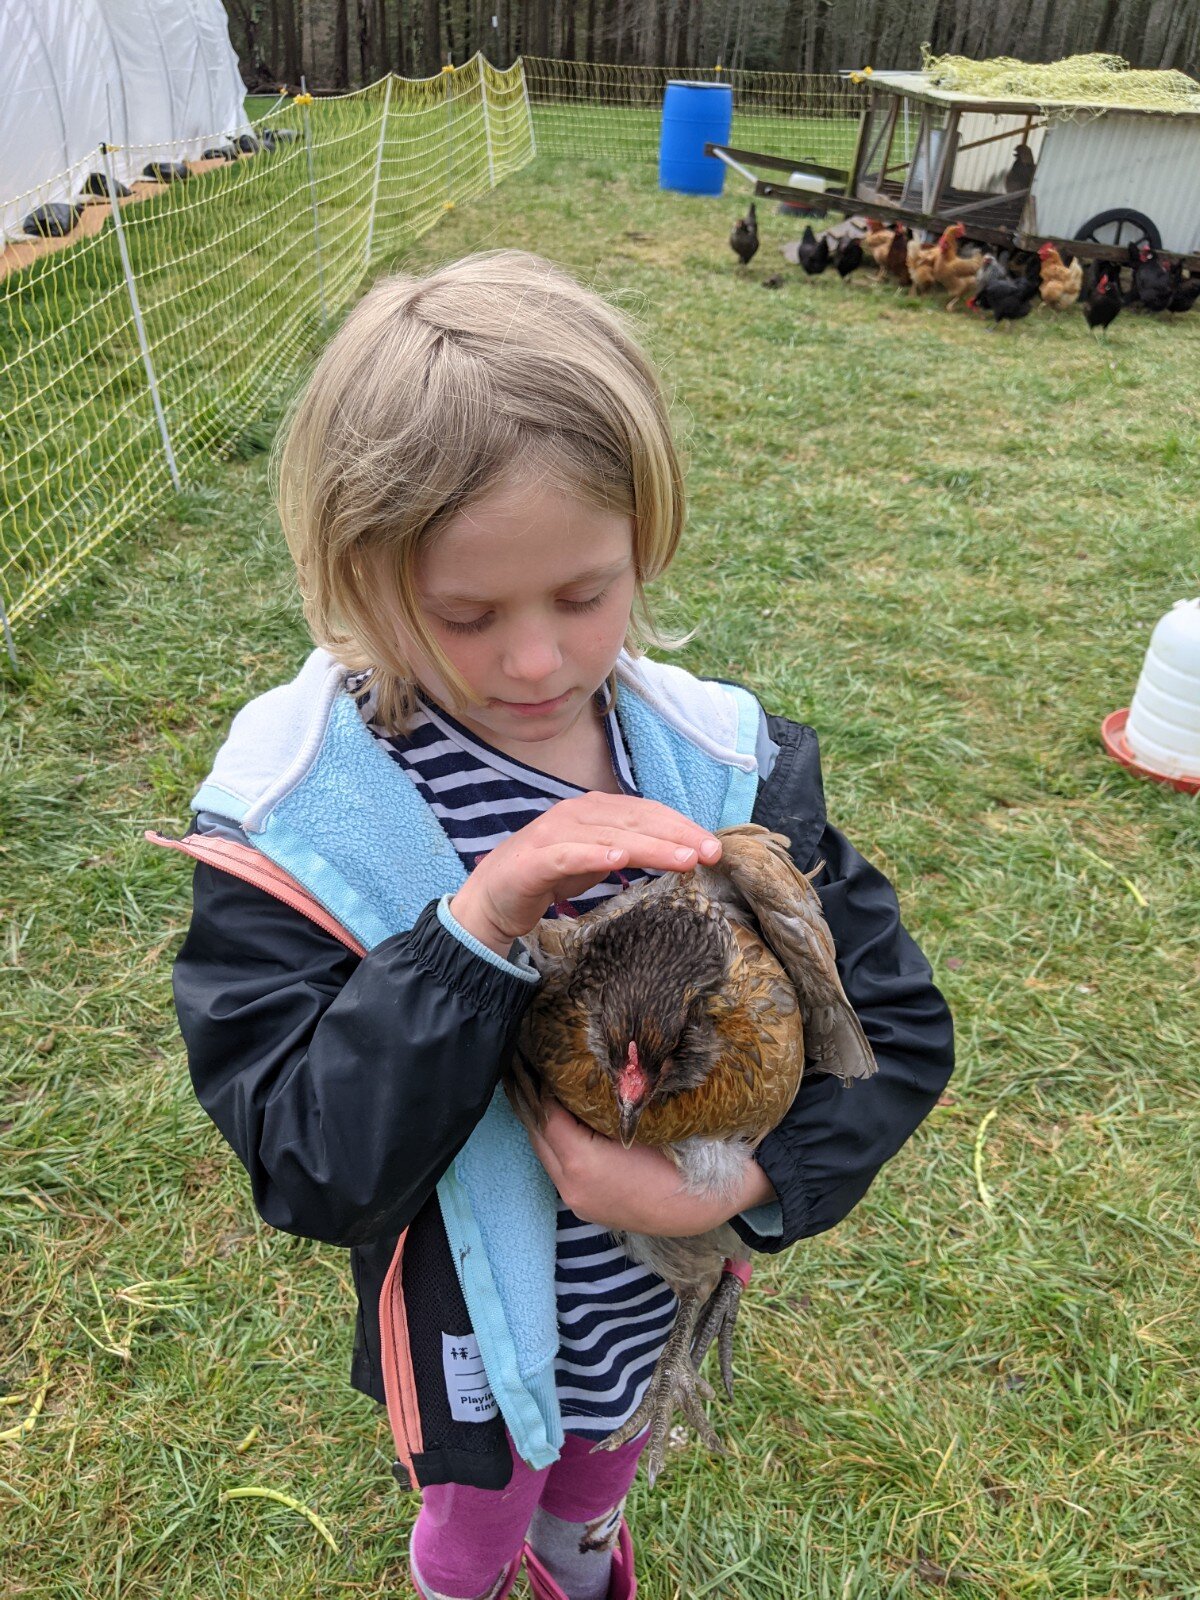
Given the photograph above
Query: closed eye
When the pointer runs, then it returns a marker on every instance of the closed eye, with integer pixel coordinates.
(480, 623)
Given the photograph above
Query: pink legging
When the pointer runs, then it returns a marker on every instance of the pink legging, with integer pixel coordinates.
(465, 1537)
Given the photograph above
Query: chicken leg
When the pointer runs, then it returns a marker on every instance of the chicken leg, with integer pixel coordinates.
(675, 1383)
(718, 1318)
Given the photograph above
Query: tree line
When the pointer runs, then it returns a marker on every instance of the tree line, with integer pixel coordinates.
(342, 44)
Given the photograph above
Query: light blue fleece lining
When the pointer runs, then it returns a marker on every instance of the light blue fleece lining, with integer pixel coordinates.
(353, 830)
(521, 968)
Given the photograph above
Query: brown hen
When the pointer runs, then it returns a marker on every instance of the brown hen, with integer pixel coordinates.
(680, 1014)
(955, 273)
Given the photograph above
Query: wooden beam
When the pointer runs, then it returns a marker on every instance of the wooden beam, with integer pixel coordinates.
(946, 157)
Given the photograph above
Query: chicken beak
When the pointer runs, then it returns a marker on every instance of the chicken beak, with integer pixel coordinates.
(631, 1115)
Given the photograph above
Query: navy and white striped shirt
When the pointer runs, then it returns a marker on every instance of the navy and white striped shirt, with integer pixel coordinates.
(613, 1315)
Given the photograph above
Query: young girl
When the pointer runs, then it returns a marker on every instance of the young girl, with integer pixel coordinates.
(476, 486)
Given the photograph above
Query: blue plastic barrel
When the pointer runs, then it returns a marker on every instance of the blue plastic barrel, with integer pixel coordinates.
(694, 114)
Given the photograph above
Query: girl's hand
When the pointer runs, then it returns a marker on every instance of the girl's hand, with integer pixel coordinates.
(638, 1190)
(567, 849)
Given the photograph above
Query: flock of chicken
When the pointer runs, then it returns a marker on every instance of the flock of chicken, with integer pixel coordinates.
(1007, 285)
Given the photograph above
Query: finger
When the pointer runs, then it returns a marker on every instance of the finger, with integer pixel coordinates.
(663, 854)
(548, 1156)
(630, 815)
(563, 1130)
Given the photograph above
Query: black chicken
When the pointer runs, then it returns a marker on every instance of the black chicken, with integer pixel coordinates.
(1103, 305)
(847, 258)
(1094, 271)
(1020, 174)
(1009, 299)
(743, 240)
(1152, 286)
(1184, 291)
(813, 253)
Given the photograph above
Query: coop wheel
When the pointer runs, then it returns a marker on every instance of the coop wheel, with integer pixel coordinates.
(1120, 228)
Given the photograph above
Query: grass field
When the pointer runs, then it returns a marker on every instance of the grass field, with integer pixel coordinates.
(945, 549)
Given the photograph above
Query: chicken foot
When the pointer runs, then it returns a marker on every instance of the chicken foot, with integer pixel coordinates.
(675, 1383)
(716, 1321)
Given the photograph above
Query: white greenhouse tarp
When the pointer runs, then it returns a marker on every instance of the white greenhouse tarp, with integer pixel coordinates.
(158, 78)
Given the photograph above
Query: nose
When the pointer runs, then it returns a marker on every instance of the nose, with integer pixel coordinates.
(532, 655)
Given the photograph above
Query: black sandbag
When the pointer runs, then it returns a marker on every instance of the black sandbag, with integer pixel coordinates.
(167, 171)
(53, 221)
(97, 183)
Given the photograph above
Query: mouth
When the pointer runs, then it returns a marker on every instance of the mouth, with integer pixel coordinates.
(537, 708)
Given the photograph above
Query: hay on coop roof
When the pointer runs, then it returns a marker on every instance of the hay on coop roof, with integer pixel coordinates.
(1086, 80)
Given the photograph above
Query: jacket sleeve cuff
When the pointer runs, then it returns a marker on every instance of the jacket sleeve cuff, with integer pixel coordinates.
(765, 1221)
(771, 1227)
(519, 964)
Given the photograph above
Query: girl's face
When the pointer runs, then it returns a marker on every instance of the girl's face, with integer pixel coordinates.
(528, 591)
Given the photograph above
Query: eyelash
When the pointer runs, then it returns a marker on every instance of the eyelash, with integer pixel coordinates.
(481, 623)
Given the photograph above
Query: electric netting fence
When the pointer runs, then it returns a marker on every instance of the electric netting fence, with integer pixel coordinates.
(153, 339)
(584, 108)
(150, 341)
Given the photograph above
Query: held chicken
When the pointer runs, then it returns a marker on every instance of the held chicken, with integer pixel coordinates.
(955, 273)
(1060, 284)
(682, 1014)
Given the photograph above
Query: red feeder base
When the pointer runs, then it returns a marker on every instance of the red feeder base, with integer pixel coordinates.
(1112, 731)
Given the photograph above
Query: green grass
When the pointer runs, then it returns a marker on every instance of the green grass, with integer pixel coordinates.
(633, 133)
(945, 549)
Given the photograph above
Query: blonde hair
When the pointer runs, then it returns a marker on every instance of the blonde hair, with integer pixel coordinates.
(433, 390)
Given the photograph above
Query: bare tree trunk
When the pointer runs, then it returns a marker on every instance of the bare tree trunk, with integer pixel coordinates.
(291, 42)
(365, 63)
(693, 31)
(789, 44)
(341, 45)
(431, 39)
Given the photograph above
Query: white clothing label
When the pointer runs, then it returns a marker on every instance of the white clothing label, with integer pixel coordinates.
(467, 1387)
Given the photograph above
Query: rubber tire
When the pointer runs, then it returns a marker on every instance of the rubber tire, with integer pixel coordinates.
(1121, 214)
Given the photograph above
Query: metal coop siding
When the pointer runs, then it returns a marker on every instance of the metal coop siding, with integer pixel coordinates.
(1149, 164)
(984, 170)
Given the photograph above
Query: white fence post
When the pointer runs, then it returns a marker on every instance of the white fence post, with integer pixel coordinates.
(312, 186)
(487, 121)
(8, 638)
(448, 79)
(387, 99)
(115, 202)
(528, 107)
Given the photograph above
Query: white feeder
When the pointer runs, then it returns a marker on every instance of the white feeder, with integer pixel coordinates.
(1159, 735)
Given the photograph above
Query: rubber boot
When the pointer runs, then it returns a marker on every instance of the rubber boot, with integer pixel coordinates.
(621, 1586)
(510, 1578)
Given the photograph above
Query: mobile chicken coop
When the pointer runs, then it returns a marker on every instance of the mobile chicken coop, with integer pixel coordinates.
(1090, 177)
